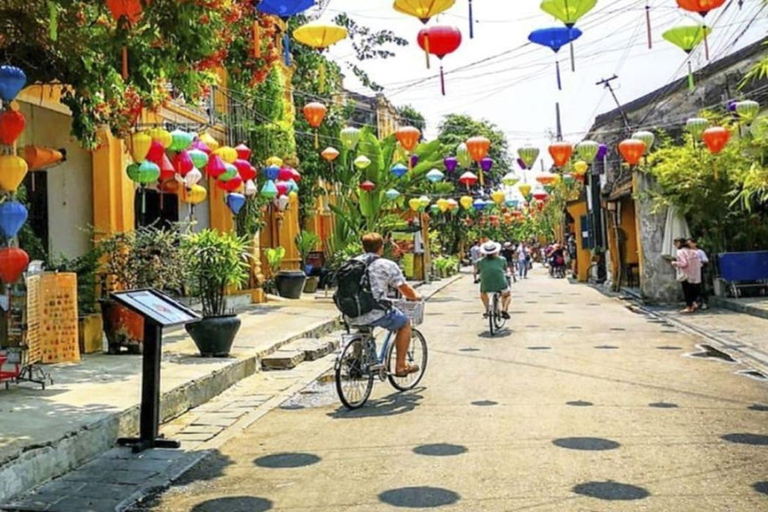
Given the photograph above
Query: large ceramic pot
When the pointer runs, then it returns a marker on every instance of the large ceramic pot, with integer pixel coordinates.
(214, 335)
(123, 327)
(290, 283)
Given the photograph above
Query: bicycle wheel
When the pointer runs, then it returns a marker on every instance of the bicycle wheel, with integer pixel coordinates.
(417, 354)
(354, 382)
(492, 313)
(498, 320)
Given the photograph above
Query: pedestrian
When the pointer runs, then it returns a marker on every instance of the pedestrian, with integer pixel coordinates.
(688, 268)
(509, 254)
(474, 255)
(523, 257)
(704, 259)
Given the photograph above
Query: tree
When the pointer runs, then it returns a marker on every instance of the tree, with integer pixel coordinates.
(411, 116)
(457, 128)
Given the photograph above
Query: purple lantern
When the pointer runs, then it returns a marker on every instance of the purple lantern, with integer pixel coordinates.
(602, 151)
(521, 164)
(414, 161)
(450, 163)
(486, 164)
(732, 106)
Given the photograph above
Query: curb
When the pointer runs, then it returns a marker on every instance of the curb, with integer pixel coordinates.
(739, 308)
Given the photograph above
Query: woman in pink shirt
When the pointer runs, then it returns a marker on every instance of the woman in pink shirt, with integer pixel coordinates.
(688, 267)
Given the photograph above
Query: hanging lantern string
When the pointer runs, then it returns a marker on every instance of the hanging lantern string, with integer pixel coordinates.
(471, 21)
(557, 69)
(648, 24)
(442, 79)
(573, 58)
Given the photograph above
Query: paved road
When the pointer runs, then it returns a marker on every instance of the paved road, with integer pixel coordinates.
(582, 406)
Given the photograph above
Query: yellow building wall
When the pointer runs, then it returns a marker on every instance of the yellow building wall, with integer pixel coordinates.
(629, 226)
(583, 256)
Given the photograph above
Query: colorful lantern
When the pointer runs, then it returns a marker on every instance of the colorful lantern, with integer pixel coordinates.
(423, 9)
(510, 179)
(12, 81)
(231, 185)
(463, 156)
(182, 163)
(498, 197)
(215, 167)
(602, 152)
(546, 178)
(13, 215)
(647, 137)
(161, 136)
(362, 162)
(250, 188)
(540, 195)
(392, 194)
(245, 169)
(687, 38)
(199, 158)
(414, 204)
(292, 186)
(696, 126)
(524, 189)
(587, 150)
(282, 203)
(235, 202)
(452, 204)
(227, 153)
(156, 153)
(569, 12)
(285, 174)
(554, 39)
(479, 205)
(439, 41)
(413, 160)
(367, 185)
(195, 195)
(450, 163)
(486, 164)
(350, 136)
(320, 36)
(275, 160)
(466, 202)
(330, 154)
(408, 137)
(167, 171)
(424, 202)
(399, 170)
(12, 123)
(442, 205)
(561, 153)
(715, 138)
(12, 171)
(13, 262)
(141, 143)
(315, 113)
(285, 9)
(272, 172)
(478, 148)
(580, 168)
(38, 157)
(468, 178)
(747, 110)
(435, 176)
(269, 190)
(230, 172)
(192, 178)
(702, 7)
(632, 151)
(243, 151)
(528, 154)
(146, 173)
(180, 140)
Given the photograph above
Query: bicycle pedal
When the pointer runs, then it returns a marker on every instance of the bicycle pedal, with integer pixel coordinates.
(375, 368)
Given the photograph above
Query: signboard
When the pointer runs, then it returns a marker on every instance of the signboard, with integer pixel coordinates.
(158, 307)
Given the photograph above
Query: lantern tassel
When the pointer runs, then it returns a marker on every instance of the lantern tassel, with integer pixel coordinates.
(442, 79)
(471, 21)
(317, 140)
(706, 44)
(125, 63)
(256, 39)
(559, 80)
(648, 25)
(33, 182)
(426, 50)
(573, 58)
(287, 48)
(691, 84)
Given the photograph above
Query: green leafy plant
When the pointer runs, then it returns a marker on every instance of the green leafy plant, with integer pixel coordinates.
(214, 262)
(306, 242)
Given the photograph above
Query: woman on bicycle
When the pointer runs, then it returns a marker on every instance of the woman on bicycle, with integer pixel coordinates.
(493, 277)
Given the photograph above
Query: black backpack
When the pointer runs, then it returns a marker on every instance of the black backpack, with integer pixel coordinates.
(354, 296)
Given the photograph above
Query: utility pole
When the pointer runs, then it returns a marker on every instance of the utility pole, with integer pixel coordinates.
(606, 82)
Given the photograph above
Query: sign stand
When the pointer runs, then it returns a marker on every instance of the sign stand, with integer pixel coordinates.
(158, 311)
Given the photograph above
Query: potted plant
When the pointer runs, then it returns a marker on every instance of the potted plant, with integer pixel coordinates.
(145, 258)
(274, 260)
(306, 242)
(214, 262)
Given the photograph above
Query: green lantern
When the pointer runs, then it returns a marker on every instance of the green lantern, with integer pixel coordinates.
(199, 158)
(231, 172)
(568, 11)
(696, 126)
(687, 38)
(145, 173)
(463, 156)
(362, 162)
(510, 179)
(424, 202)
(350, 136)
(269, 190)
(587, 150)
(180, 140)
(747, 110)
(528, 154)
(647, 137)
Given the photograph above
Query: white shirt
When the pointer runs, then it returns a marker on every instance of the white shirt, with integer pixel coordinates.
(522, 253)
(474, 253)
(702, 256)
(384, 274)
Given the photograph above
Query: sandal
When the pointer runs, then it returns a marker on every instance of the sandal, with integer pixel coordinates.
(411, 368)
(505, 315)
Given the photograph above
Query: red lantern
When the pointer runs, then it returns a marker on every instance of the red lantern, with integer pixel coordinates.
(167, 170)
(632, 150)
(439, 41)
(716, 138)
(368, 186)
(315, 113)
(156, 153)
(561, 153)
(13, 262)
(295, 176)
(408, 137)
(285, 174)
(245, 169)
(231, 185)
(243, 152)
(182, 163)
(12, 123)
(540, 195)
(468, 179)
(282, 188)
(215, 166)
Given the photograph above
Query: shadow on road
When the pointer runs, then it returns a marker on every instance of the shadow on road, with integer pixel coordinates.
(390, 405)
(419, 497)
(611, 491)
(234, 504)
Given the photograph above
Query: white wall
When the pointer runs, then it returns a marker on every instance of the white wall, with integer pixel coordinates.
(70, 194)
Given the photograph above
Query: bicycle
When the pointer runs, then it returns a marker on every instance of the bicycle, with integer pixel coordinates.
(358, 362)
(496, 321)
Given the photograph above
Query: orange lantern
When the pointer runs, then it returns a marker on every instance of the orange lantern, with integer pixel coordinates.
(315, 113)
(131, 11)
(561, 153)
(330, 154)
(478, 148)
(716, 138)
(632, 151)
(408, 137)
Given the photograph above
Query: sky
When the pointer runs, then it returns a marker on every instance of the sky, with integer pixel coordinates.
(512, 83)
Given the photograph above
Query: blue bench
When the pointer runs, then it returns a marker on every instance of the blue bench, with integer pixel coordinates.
(743, 270)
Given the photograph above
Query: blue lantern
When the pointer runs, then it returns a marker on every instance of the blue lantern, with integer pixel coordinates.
(399, 170)
(284, 9)
(12, 80)
(554, 39)
(435, 176)
(235, 202)
(292, 186)
(271, 172)
(479, 205)
(392, 194)
(512, 203)
(13, 215)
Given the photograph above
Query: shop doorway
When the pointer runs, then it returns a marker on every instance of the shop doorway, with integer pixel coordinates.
(160, 210)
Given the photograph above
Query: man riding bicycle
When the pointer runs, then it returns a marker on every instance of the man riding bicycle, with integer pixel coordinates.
(493, 277)
(384, 274)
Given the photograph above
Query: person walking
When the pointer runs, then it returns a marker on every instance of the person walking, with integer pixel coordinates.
(688, 268)
(474, 255)
(701, 301)
(523, 255)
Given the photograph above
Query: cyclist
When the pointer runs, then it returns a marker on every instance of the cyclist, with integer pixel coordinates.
(384, 275)
(493, 277)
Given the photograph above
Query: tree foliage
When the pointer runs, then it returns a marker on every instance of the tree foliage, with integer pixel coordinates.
(410, 116)
(456, 128)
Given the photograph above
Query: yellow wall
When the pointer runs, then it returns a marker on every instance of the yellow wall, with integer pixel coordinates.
(629, 226)
(583, 256)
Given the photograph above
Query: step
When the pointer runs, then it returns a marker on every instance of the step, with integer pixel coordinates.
(294, 353)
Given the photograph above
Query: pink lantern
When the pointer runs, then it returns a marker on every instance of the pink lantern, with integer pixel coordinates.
(182, 163)
(282, 188)
(215, 167)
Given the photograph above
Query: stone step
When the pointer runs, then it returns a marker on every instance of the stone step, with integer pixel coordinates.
(294, 353)
(282, 360)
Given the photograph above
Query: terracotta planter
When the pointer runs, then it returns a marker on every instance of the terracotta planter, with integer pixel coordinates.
(123, 328)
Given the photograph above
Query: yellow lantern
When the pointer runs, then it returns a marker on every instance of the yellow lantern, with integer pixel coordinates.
(274, 161)
(414, 204)
(443, 205)
(209, 141)
(423, 9)
(195, 195)
(12, 171)
(581, 167)
(424, 202)
(227, 153)
(319, 35)
(524, 189)
(162, 136)
(466, 202)
(498, 196)
(140, 144)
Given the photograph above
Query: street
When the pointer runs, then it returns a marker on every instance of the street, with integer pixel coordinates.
(580, 405)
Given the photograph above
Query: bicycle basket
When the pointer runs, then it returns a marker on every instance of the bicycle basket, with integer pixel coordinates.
(413, 310)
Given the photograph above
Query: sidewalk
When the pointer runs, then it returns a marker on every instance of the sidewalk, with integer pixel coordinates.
(44, 434)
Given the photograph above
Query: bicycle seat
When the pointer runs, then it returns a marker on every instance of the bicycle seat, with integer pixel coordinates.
(364, 329)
